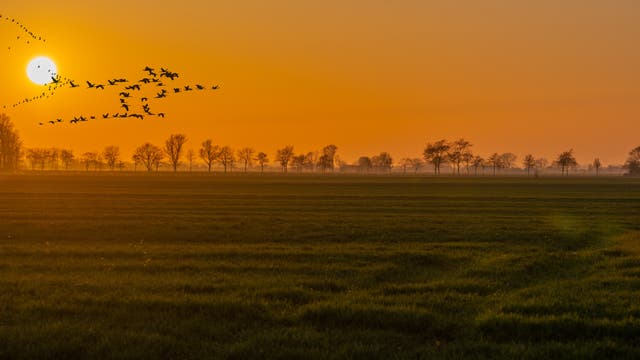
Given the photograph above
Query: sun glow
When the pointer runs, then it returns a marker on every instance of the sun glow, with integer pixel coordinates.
(41, 70)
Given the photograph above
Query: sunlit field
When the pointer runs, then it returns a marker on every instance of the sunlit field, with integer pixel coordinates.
(197, 266)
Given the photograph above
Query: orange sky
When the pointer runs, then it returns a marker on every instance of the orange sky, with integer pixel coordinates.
(370, 75)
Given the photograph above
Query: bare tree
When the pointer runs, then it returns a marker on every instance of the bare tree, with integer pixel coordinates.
(566, 161)
(529, 163)
(89, 158)
(262, 159)
(37, 157)
(246, 156)
(209, 153)
(226, 158)
(173, 148)
(150, 156)
(66, 156)
(495, 161)
(191, 156)
(508, 160)
(10, 144)
(633, 162)
(112, 155)
(283, 156)
(330, 152)
(416, 164)
(436, 153)
(478, 163)
(404, 164)
(364, 164)
(382, 162)
(324, 162)
(459, 151)
(597, 165)
(298, 162)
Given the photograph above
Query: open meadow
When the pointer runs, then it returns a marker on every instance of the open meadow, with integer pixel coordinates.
(179, 266)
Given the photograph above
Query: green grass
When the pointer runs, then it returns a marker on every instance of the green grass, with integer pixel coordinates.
(196, 266)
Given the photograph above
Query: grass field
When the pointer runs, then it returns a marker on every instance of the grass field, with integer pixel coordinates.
(195, 266)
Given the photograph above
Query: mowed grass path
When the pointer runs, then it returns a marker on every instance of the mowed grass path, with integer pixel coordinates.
(212, 266)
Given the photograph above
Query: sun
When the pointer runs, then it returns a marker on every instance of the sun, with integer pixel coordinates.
(41, 70)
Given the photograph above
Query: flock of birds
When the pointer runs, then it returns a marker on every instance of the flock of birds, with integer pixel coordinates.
(28, 34)
(156, 84)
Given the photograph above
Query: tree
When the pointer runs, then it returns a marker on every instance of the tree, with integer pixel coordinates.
(330, 152)
(404, 164)
(36, 157)
(508, 160)
(173, 148)
(209, 153)
(226, 158)
(382, 162)
(566, 161)
(459, 151)
(283, 156)
(112, 155)
(364, 164)
(299, 161)
(477, 163)
(262, 159)
(324, 162)
(529, 163)
(436, 153)
(10, 144)
(416, 164)
(66, 156)
(191, 156)
(246, 156)
(633, 162)
(495, 161)
(150, 156)
(597, 165)
(89, 158)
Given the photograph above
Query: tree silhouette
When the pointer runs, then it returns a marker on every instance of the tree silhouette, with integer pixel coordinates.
(495, 161)
(330, 152)
(191, 156)
(226, 158)
(284, 156)
(565, 161)
(173, 148)
(245, 155)
(66, 156)
(597, 165)
(633, 162)
(382, 162)
(436, 153)
(150, 156)
(364, 164)
(529, 163)
(507, 160)
(90, 158)
(209, 153)
(262, 159)
(477, 162)
(459, 152)
(10, 144)
(299, 162)
(111, 155)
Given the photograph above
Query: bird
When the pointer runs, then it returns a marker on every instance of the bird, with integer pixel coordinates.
(144, 99)
(145, 81)
(90, 84)
(112, 82)
(187, 88)
(125, 94)
(215, 87)
(200, 87)
(55, 79)
(161, 95)
(105, 116)
(100, 86)
(72, 84)
(161, 115)
(125, 106)
(176, 90)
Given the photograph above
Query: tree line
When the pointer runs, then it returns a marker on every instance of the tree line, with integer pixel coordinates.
(457, 156)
